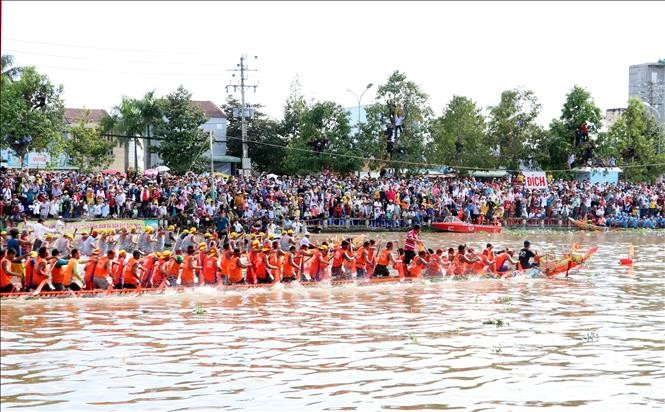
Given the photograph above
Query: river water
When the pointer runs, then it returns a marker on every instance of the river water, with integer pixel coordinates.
(594, 341)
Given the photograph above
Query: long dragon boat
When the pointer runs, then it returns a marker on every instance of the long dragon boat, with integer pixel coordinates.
(592, 227)
(546, 270)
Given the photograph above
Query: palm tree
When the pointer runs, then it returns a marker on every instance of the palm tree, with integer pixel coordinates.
(8, 69)
(126, 120)
(150, 114)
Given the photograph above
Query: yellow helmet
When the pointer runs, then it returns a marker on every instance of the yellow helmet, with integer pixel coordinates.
(207, 235)
(68, 235)
(232, 235)
(102, 231)
(171, 228)
(192, 230)
(166, 254)
(185, 232)
(122, 252)
(111, 232)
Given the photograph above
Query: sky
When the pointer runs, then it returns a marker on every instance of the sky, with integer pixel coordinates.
(100, 51)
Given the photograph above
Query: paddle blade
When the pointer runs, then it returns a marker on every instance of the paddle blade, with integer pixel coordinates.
(631, 250)
(626, 262)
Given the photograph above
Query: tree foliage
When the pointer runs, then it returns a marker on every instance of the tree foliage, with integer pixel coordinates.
(512, 128)
(398, 94)
(87, 149)
(458, 137)
(577, 132)
(183, 141)
(31, 113)
(323, 141)
(633, 141)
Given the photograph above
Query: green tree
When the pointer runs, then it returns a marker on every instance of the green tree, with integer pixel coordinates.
(125, 120)
(9, 71)
(150, 114)
(183, 141)
(31, 114)
(265, 143)
(633, 140)
(458, 137)
(87, 148)
(512, 128)
(402, 97)
(565, 136)
(323, 142)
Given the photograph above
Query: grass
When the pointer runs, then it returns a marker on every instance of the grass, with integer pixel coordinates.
(498, 322)
(507, 300)
(200, 310)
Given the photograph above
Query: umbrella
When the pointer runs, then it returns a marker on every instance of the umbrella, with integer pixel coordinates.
(162, 168)
(150, 172)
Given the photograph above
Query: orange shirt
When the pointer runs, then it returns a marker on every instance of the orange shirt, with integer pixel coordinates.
(187, 275)
(129, 278)
(338, 258)
(5, 279)
(360, 261)
(100, 270)
(274, 260)
(260, 266)
(316, 265)
(117, 271)
(210, 269)
(36, 276)
(69, 271)
(287, 267)
(235, 270)
(384, 260)
(459, 266)
(89, 270)
(57, 275)
(500, 260)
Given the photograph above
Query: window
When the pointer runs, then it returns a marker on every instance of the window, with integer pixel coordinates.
(654, 77)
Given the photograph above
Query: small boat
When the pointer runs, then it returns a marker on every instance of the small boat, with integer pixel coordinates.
(453, 224)
(592, 227)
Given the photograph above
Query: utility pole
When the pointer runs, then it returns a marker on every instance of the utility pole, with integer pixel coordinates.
(242, 68)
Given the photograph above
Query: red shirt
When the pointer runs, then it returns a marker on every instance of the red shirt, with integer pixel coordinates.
(411, 239)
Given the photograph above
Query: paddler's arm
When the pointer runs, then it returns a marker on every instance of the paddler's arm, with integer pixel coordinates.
(7, 269)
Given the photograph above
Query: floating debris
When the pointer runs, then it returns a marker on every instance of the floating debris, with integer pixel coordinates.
(498, 322)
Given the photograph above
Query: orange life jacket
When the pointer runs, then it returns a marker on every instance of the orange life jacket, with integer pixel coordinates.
(57, 275)
(129, 278)
(187, 275)
(5, 279)
(235, 270)
(210, 269)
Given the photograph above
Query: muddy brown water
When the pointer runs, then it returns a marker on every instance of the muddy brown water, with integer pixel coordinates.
(594, 341)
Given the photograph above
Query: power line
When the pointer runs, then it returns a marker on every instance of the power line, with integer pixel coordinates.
(18, 52)
(108, 48)
(422, 164)
(125, 72)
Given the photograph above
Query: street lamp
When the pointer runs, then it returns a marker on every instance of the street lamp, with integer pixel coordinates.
(359, 98)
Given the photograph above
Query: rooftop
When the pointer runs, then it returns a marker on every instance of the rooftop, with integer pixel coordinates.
(89, 115)
(210, 109)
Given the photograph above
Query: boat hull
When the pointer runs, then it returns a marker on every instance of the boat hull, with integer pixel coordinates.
(457, 227)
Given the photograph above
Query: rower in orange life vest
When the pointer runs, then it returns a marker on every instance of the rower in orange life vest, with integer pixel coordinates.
(363, 261)
(274, 262)
(188, 267)
(103, 271)
(235, 269)
(319, 265)
(434, 267)
(71, 271)
(371, 257)
(251, 257)
(260, 266)
(57, 267)
(301, 257)
(6, 272)
(417, 265)
(343, 254)
(289, 265)
(488, 259)
(461, 262)
(90, 268)
(131, 278)
(119, 269)
(503, 261)
(210, 268)
(41, 269)
(385, 259)
(173, 269)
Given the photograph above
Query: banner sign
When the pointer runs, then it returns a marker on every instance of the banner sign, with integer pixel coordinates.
(115, 224)
(535, 180)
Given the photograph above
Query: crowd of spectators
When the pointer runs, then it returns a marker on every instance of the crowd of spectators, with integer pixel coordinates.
(378, 202)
